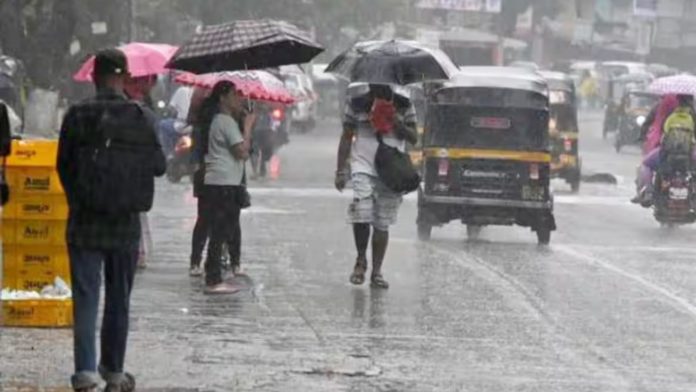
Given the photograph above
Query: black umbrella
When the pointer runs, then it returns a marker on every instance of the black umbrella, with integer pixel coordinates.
(392, 62)
(245, 44)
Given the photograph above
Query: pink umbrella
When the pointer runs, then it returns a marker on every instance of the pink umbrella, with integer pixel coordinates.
(144, 59)
(256, 85)
(677, 84)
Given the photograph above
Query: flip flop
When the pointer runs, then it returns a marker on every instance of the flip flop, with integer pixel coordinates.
(378, 282)
(358, 276)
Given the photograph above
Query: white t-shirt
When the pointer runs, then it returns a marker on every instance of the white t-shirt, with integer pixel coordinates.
(221, 167)
(364, 150)
(181, 101)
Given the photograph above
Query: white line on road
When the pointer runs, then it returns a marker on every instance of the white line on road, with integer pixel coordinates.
(635, 248)
(678, 302)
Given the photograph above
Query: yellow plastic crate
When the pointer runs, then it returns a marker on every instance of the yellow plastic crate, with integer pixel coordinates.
(45, 207)
(33, 153)
(34, 267)
(44, 313)
(34, 181)
(33, 232)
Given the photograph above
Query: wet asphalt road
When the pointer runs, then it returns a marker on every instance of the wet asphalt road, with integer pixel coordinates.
(609, 306)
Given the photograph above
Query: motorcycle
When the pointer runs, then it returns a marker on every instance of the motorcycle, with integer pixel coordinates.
(272, 134)
(674, 197)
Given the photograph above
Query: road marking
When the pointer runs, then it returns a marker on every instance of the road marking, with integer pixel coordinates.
(635, 248)
(271, 211)
(679, 302)
(330, 193)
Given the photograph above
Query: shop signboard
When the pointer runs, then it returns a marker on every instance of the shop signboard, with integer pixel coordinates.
(493, 6)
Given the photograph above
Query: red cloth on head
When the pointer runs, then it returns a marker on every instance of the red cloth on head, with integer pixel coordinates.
(382, 116)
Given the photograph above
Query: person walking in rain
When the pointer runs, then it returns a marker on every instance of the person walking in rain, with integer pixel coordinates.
(374, 207)
(105, 238)
(227, 149)
(589, 90)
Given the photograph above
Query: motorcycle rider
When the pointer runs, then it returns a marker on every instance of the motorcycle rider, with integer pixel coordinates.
(263, 139)
(677, 134)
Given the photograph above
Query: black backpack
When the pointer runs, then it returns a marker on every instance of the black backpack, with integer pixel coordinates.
(395, 169)
(116, 167)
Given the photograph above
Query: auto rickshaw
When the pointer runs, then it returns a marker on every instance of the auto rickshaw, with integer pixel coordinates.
(563, 129)
(486, 153)
(633, 112)
(418, 98)
(615, 91)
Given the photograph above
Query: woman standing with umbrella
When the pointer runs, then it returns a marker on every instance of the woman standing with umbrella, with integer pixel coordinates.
(226, 152)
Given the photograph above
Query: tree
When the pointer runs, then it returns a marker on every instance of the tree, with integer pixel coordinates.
(38, 33)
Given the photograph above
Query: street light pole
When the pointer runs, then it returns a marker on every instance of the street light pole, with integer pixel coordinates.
(131, 20)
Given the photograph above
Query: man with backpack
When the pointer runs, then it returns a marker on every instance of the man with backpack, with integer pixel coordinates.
(676, 144)
(108, 156)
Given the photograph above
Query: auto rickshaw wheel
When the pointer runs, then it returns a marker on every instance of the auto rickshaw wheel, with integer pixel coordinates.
(473, 231)
(424, 231)
(543, 235)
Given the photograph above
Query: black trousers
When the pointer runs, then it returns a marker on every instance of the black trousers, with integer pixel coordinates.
(222, 210)
(201, 231)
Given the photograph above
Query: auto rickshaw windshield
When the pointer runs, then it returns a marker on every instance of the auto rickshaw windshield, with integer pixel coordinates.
(488, 118)
(636, 101)
(564, 118)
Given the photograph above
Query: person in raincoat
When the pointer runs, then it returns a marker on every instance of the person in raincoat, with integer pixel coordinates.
(672, 112)
(589, 90)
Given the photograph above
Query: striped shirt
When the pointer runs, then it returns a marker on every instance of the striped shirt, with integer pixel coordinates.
(365, 145)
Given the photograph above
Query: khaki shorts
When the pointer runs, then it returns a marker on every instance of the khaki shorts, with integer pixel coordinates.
(373, 202)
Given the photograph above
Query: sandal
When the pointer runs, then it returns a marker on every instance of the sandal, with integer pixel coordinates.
(378, 282)
(358, 276)
(124, 383)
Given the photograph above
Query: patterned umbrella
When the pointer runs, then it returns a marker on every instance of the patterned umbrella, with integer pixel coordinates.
(245, 44)
(256, 85)
(677, 84)
(392, 62)
(144, 59)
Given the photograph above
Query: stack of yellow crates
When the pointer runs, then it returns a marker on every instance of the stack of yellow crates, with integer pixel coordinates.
(34, 222)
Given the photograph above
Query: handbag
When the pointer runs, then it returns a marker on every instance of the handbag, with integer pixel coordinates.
(394, 169)
(4, 187)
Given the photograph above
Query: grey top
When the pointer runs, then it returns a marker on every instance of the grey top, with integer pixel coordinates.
(221, 167)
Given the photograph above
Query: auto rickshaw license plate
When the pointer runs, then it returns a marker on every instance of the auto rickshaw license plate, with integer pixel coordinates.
(678, 193)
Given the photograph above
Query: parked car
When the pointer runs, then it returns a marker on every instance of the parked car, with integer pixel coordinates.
(303, 113)
(328, 88)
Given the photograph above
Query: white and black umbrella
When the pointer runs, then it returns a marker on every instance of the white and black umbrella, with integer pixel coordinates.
(392, 62)
(245, 45)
